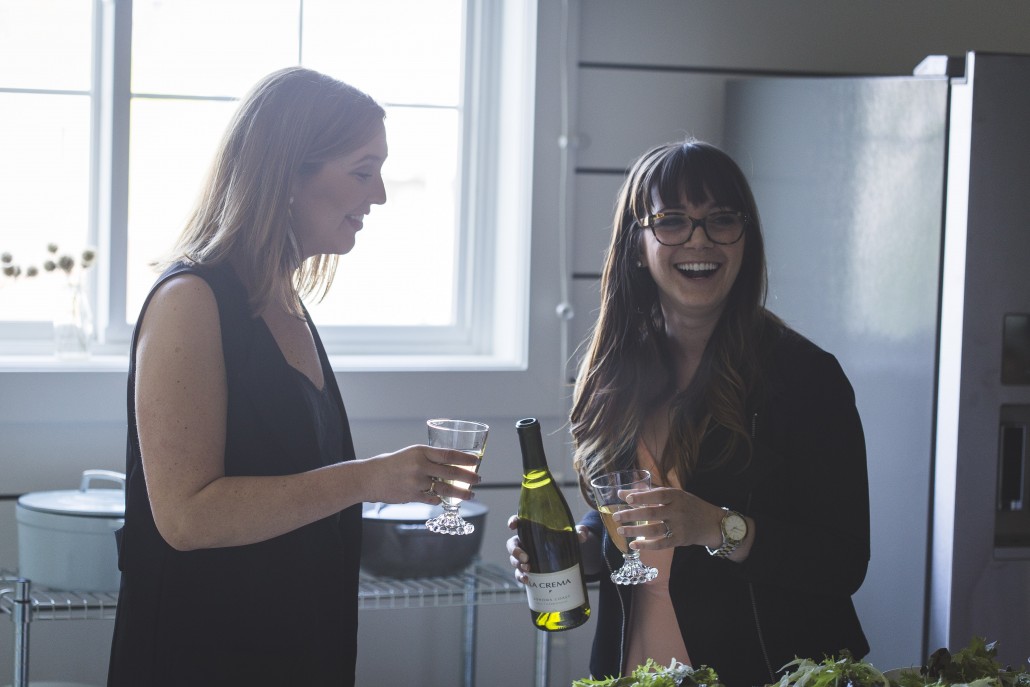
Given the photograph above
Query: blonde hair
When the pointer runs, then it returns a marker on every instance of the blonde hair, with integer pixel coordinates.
(288, 125)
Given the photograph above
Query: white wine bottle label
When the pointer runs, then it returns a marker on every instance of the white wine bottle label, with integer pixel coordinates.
(554, 592)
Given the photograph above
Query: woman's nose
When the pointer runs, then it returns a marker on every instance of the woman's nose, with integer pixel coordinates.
(699, 233)
(379, 193)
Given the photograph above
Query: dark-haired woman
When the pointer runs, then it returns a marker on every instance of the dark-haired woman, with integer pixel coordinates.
(759, 519)
(242, 535)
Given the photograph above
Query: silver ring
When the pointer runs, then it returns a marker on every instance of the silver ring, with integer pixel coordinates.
(668, 530)
(431, 491)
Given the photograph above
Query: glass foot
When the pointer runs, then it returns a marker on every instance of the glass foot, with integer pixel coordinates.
(450, 524)
(634, 572)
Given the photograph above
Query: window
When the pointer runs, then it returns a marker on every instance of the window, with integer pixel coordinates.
(112, 112)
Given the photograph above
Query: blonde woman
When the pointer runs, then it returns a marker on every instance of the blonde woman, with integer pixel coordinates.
(242, 534)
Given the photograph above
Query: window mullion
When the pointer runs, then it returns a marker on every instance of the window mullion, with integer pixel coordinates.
(478, 193)
(111, 161)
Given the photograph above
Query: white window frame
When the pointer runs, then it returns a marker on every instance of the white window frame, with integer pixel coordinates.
(491, 330)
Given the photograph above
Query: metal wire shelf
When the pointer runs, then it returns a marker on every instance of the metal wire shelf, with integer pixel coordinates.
(479, 584)
(49, 604)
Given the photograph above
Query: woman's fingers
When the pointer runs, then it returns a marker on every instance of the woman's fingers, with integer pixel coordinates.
(450, 457)
(656, 496)
(518, 559)
(450, 473)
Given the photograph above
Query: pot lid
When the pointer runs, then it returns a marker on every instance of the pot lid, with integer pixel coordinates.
(93, 503)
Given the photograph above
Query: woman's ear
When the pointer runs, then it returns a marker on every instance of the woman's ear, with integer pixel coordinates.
(640, 262)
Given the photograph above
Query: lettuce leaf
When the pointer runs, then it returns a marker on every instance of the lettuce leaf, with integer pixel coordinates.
(651, 674)
(832, 671)
(975, 665)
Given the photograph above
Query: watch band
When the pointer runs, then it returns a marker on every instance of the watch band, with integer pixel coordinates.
(728, 545)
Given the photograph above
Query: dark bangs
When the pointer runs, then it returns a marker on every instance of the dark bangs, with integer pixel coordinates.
(698, 171)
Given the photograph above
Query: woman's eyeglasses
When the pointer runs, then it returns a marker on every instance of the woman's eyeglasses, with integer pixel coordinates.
(674, 227)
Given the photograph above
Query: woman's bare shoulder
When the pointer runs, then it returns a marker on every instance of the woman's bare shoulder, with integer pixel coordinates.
(182, 307)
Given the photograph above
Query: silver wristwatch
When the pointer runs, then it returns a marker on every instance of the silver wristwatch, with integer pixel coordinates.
(734, 529)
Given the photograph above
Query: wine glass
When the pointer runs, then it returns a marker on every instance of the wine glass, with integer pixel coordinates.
(462, 435)
(606, 490)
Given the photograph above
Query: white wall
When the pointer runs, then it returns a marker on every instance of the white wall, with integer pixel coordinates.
(57, 420)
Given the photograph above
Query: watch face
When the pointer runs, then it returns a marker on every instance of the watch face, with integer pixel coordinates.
(735, 527)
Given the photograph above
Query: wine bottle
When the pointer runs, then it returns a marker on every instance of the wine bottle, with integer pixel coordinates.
(556, 590)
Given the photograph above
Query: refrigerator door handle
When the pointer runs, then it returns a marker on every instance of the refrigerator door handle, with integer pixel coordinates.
(1012, 470)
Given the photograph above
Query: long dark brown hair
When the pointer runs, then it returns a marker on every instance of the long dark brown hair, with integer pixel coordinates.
(628, 369)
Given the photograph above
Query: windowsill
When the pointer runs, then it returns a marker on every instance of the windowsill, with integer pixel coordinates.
(86, 391)
(51, 363)
(119, 362)
(423, 363)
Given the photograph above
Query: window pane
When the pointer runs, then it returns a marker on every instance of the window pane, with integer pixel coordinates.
(44, 189)
(412, 239)
(199, 47)
(397, 51)
(45, 44)
(402, 268)
(173, 142)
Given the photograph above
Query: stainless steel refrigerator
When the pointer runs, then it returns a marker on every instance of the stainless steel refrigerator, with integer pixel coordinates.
(897, 217)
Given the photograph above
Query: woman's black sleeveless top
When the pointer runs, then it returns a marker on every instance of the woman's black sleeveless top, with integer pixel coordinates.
(279, 612)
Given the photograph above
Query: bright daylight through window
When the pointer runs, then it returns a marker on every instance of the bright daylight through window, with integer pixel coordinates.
(94, 157)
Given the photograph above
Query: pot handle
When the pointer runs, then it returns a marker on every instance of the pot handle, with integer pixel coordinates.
(110, 475)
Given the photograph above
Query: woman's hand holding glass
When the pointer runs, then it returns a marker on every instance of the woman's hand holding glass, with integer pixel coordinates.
(420, 473)
(667, 517)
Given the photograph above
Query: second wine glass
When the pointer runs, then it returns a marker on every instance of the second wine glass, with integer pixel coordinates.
(462, 435)
(606, 489)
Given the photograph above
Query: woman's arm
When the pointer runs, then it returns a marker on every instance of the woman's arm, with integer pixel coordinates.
(813, 514)
(181, 399)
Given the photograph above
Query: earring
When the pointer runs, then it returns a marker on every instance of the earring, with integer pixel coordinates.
(640, 263)
(291, 200)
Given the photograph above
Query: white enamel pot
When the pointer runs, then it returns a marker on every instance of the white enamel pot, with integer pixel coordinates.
(66, 538)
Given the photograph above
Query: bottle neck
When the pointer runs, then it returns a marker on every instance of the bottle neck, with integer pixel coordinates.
(533, 457)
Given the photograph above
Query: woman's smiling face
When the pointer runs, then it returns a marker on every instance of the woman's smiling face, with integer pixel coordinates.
(694, 279)
(328, 207)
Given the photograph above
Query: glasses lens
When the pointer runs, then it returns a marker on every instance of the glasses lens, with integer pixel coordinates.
(674, 228)
(724, 227)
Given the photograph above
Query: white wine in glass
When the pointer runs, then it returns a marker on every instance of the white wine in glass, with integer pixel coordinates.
(620, 541)
(462, 435)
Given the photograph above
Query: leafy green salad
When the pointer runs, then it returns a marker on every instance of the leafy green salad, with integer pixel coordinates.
(972, 666)
(651, 674)
(834, 671)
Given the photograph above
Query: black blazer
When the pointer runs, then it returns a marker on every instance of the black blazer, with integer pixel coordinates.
(806, 487)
